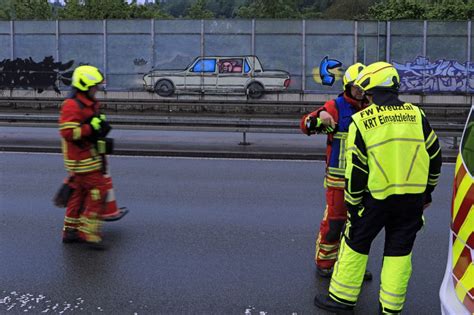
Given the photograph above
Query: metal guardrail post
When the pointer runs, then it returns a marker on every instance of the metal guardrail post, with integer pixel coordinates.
(244, 139)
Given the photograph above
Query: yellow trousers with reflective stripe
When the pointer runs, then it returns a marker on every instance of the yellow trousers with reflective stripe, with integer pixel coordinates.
(396, 272)
(348, 275)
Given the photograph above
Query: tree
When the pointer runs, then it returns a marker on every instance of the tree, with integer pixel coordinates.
(73, 10)
(347, 9)
(450, 10)
(275, 9)
(27, 10)
(147, 11)
(198, 11)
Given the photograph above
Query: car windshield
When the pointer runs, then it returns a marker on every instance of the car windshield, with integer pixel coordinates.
(467, 145)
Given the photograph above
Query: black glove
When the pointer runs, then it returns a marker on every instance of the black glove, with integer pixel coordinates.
(311, 124)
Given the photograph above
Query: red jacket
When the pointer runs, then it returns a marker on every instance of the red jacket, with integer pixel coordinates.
(80, 154)
(335, 149)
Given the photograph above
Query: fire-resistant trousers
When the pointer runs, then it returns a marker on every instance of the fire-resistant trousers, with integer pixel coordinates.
(86, 205)
(330, 229)
(402, 218)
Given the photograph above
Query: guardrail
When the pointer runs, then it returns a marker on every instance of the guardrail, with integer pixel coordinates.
(230, 116)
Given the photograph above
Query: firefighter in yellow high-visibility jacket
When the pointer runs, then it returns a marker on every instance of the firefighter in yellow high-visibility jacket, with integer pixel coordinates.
(393, 164)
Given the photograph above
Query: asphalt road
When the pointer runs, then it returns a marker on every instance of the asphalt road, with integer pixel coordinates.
(204, 236)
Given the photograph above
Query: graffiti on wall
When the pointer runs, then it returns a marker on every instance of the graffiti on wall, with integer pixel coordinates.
(328, 72)
(140, 61)
(218, 74)
(421, 75)
(28, 74)
(328, 78)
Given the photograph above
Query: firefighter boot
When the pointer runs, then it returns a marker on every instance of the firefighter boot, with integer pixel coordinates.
(90, 229)
(327, 273)
(71, 236)
(326, 303)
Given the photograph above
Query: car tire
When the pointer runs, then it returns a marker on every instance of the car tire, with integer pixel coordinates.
(255, 90)
(164, 88)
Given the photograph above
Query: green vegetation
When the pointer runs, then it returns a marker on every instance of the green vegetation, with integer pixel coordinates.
(246, 9)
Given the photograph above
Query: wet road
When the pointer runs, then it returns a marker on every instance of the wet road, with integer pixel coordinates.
(204, 236)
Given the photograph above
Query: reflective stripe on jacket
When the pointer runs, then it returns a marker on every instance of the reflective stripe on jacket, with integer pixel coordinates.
(80, 155)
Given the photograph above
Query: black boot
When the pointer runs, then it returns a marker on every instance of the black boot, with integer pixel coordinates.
(388, 311)
(326, 303)
(367, 276)
(327, 273)
(71, 236)
(324, 272)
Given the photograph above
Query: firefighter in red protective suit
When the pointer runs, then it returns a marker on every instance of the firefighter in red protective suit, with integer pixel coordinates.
(83, 130)
(333, 119)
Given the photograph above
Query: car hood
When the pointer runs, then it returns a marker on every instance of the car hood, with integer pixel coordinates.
(155, 73)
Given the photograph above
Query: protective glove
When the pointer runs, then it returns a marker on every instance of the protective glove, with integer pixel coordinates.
(99, 126)
(312, 123)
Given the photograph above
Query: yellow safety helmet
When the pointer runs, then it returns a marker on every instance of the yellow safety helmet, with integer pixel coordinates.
(85, 77)
(351, 73)
(379, 74)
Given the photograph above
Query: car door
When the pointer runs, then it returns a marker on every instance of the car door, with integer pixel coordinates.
(231, 74)
(202, 75)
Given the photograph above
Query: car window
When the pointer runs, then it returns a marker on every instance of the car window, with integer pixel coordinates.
(231, 65)
(205, 65)
(467, 145)
(246, 67)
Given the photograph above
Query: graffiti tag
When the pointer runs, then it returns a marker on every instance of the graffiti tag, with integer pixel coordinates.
(328, 78)
(139, 62)
(421, 75)
(26, 73)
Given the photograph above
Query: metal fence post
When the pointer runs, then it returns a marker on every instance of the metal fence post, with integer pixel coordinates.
(12, 39)
(104, 30)
(378, 41)
(202, 55)
(57, 40)
(356, 28)
(303, 57)
(387, 52)
(425, 35)
(468, 60)
(152, 34)
(253, 38)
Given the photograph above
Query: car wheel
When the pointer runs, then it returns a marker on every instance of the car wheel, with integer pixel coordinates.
(164, 88)
(255, 90)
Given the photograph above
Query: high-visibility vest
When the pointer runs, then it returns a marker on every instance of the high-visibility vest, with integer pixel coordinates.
(396, 154)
